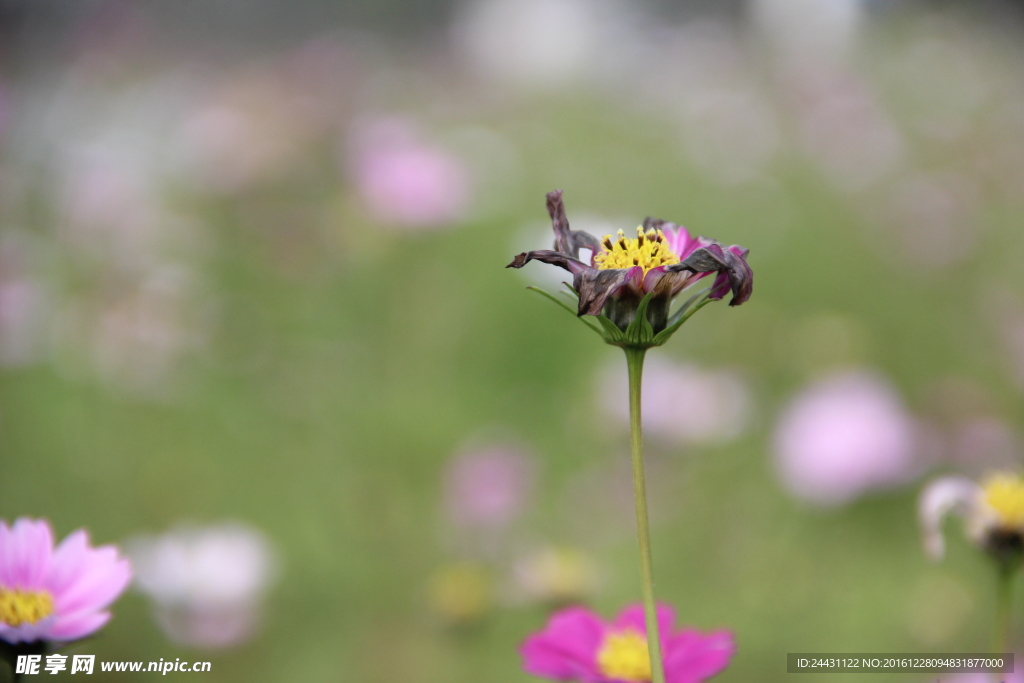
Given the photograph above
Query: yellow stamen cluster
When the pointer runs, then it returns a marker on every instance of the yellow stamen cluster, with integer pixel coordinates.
(648, 250)
(624, 656)
(19, 607)
(1004, 494)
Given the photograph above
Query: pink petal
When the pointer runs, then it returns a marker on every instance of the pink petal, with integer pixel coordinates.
(632, 617)
(78, 625)
(652, 278)
(25, 551)
(691, 657)
(67, 561)
(101, 578)
(6, 558)
(567, 647)
(679, 241)
(37, 549)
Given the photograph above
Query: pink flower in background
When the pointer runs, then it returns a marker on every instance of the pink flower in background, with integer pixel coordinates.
(488, 487)
(55, 594)
(207, 583)
(577, 645)
(843, 436)
(981, 677)
(682, 401)
(406, 182)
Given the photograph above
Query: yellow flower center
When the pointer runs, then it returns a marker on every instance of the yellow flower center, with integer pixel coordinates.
(19, 607)
(648, 250)
(624, 656)
(1004, 493)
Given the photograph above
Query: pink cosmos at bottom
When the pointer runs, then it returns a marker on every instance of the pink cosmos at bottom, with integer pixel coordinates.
(577, 645)
(55, 594)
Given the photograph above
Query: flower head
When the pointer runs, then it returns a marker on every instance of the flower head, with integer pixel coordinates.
(683, 403)
(556, 575)
(486, 488)
(55, 594)
(576, 645)
(405, 182)
(634, 279)
(993, 512)
(207, 583)
(842, 436)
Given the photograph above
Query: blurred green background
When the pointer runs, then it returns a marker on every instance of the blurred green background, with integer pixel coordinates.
(258, 275)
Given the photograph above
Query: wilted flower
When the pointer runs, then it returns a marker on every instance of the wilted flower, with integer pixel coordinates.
(993, 512)
(55, 594)
(635, 279)
(207, 583)
(556, 575)
(843, 436)
(576, 645)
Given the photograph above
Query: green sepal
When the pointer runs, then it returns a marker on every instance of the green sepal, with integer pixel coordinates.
(674, 318)
(667, 333)
(612, 334)
(640, 333)
(562, 304)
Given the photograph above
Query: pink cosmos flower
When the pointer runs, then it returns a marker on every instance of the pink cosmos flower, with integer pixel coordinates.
(408, 183)
(683, 402)
(843, 436)
(55, 594)
(576, 645)
(982, 677)
(487, 488)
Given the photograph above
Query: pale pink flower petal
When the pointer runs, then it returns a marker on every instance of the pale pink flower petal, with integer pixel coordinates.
(842, 437)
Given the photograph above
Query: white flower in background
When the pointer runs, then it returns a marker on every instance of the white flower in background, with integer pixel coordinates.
(993, 512)
(682, 402)
(555, 575)
(207, 583)
(540, 43)
(810, 28)
(843, 436)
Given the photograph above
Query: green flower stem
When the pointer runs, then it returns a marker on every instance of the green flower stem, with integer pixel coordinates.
(635, 363)
(1004, 606)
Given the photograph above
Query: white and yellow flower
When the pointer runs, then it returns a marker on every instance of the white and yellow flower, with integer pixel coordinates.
(993, 512)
